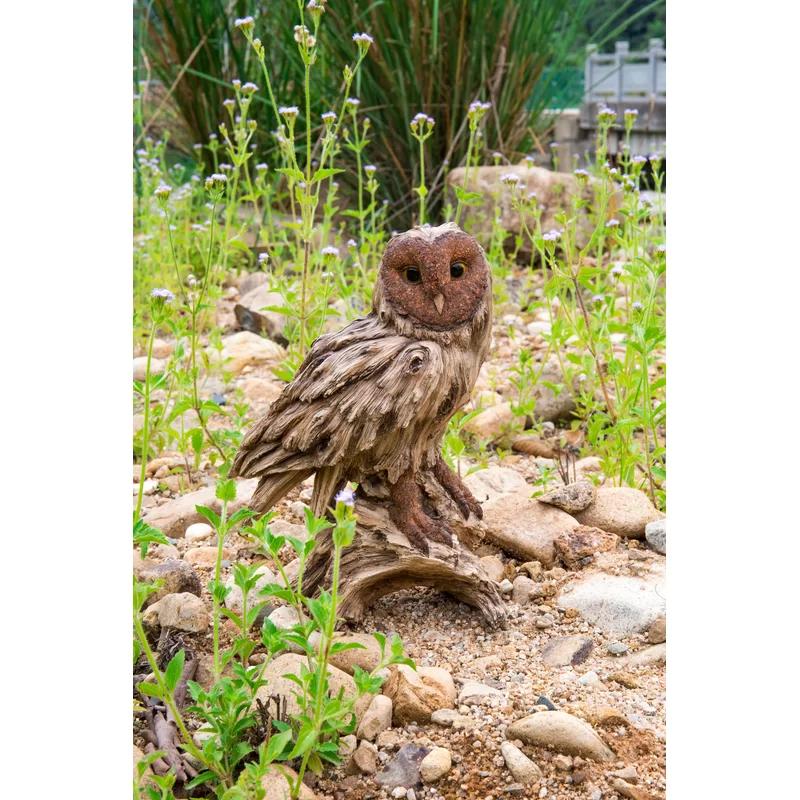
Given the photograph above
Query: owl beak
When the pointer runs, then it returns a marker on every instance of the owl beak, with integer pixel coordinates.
(438, 301)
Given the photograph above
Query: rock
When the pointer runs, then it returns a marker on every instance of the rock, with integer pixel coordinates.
(627, 774)
(290, 663)
(628, 790)
(561, 732)
(545, 621)
(243, 349)
(450, 718)
(624, 679)
(277, 786)
(546, 702)
(532, 446)
(493, 567)
(519, 765)
(506, 587)
(260, 392)
(183, 611)
(285, 618)
(162, 348)
(206, 557)
(571, 498)
(367, 657)
(656, 654)
(178, 577)
(554, 191)
(252, 313)
(174, 516)
(403, 769)
(435, 765)
(157, 367)
(617, 648)
(488, 484)
(250, 280)
(621, 510)
(491, 423)
(656, 535)
(619, 605)
(657, 632)
(473, 693)
(234, 599)
(552, 406)
(525, 527)
(562, 762)
(364, 760)
(577, 548)
(377, 718)
(198, 531)
(590, 678)
(522, 589)
(567, 650)
(416, 695)
(390, 739)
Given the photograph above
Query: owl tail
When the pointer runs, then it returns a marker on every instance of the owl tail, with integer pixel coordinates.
(272, 488)
(327, 482)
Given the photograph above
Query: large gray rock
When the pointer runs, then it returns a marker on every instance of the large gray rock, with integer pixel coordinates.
(621, 510)
(554, 193)
(253, 315)
(403, 769)
(656, 535)
(567, 650)
(519, 765)
(524, 527)
(617, 604)
(572, 498)
(488, 484)
(290, 664)
(173, 517)
(183, 612)
(243, 349)
(177, 576)
(561, 732)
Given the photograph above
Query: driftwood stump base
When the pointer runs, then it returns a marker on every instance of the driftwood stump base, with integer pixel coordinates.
(381, 561)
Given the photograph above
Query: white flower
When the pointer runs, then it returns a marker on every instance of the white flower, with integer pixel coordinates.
(289, 111)
(612, 223)
(510, 179)
(261, 167)
(552, 236)
(244, 24)
(163, 191)
(370, 169)
(581, 173)
(363, 40)
(346, 496)
(328, 117)
(249, 88)
(330, 251)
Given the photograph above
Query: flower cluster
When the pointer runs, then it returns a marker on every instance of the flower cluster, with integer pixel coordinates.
(162, 193)
(511, 179)
(244, 24)
(329, 117)
(304, 37)
(363, 40)
(215, 184)
(606, 114)
(476, 112)
(330, 251)
(422, 126)
(352, 102)
(552, 236)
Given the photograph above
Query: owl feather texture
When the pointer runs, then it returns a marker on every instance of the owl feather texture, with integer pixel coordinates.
(371, 402)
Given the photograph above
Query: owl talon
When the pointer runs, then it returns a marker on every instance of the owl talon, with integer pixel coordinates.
(455, 487)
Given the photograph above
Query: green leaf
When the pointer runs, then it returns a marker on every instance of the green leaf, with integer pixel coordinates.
(174, 670)
(292, 173)
(226, 490)
(277, 744)
(305, 741)
(209, 514)
(150, 689)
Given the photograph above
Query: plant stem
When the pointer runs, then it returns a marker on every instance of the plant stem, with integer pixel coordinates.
(221, 531)
(146, 424)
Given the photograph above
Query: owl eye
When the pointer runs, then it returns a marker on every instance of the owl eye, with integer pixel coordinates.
(412, 275)
(457, 269)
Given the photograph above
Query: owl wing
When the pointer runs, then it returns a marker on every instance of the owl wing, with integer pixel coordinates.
(358, 390)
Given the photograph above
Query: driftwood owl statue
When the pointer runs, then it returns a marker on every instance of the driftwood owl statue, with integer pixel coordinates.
(371, 403)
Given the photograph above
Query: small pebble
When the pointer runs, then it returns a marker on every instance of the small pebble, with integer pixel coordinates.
(617, 648)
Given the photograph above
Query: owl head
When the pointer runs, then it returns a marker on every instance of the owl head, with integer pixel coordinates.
(438, 277)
